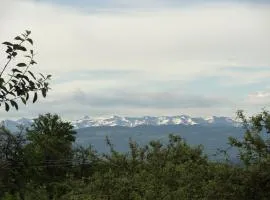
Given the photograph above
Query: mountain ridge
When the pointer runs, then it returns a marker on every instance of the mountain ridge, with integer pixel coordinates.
(115, 120)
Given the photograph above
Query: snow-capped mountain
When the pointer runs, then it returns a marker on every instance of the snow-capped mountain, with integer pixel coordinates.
(150, 120)
(13, 125)
(87, 121)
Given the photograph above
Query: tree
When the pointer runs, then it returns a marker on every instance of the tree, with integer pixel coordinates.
(12, 163)
(17, 82)
(20, 82)
(254, 151)
(254, 148)
(50, 146)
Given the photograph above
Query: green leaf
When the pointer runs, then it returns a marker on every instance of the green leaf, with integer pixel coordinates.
(30, 40)
(16, 70)
(42, 75)
(14, 104)
(28, 32)
(7, 43)
(14, 81)
(10, 86)
(32, 74)
(43, 90)
(9, 49)
(18, 38)
(4, 88)
(25, 77)
(35, 97)
(1, 81)
(6, 107)
(33, 62)
(19, 47)
(12, 93)
(21, 65)
(27, 96)
(23, 100)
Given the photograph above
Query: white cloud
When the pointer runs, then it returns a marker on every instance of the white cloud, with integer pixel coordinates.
(164, 44)
(259, 98)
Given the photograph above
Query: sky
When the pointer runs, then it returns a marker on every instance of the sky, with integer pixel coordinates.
(145, 57)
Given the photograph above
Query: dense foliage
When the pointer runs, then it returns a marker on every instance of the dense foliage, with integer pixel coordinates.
(46, 164)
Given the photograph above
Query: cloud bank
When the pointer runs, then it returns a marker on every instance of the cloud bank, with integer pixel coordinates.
(140, 61)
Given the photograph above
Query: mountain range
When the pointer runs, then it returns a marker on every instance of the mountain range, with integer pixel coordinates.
(87, 121)
(211, 132)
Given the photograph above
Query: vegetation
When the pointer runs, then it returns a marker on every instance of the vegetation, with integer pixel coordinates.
(19, 82)
(43, 162)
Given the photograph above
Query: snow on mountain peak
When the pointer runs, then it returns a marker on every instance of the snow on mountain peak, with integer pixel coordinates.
(115, 120)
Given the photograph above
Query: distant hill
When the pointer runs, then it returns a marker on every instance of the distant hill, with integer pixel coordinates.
(212, 132)
(212, 137)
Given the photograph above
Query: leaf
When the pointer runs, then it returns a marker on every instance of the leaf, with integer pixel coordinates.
(27, 96)
(33, 62)
(7, 43)
(30, 40)
(19, 47)
(24, 77)
(12, 93)
(1, 81)
(9, 49)
(32, 74)
(14, 104)
(28, 32)
(6, 107)
(35, 97)
(14, 81)
(23, 100)
(32, 85)
(4, 88)
(43, 90)
(49, 76)
(21, 65)
(10, 86)
(14, 54)
(27, 56)
(18, 38)
(42, 75)
(31, 51)
(16, 70)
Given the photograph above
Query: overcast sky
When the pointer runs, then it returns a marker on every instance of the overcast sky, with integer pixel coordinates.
(145, 57)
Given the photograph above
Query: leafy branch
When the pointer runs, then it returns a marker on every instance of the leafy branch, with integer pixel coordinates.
(21, 82)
